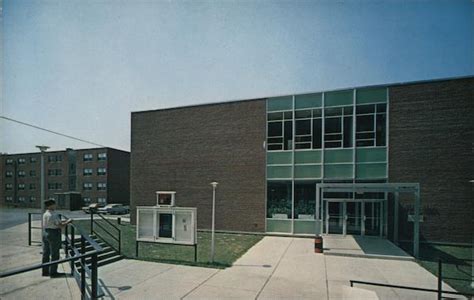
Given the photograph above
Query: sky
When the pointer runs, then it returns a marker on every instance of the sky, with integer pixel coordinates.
(81, 67)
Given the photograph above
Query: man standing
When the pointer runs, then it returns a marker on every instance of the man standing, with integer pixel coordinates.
(52, 226)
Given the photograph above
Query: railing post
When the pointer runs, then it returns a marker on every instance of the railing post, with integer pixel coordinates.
(92, 219)
(83, 268)
(440, 280)
(29, 229)
(119, 221)
(94, 276)
(120, 242)
(65, 241)
(72, 246)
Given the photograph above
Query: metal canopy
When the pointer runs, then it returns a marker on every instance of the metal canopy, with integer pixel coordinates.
(395, 188)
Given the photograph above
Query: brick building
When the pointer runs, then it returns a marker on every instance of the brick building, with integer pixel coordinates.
(269, 154)
(100, 175)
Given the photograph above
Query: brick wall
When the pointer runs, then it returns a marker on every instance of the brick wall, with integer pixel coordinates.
(185, 149)
(118, 176)
(431, 142)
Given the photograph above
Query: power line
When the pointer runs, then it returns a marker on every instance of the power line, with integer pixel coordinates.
(51, 131)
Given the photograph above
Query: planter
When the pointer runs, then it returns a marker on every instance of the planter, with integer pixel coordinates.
(305, 217)
(279, 216)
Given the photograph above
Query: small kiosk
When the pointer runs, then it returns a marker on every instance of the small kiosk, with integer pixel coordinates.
(166, 223)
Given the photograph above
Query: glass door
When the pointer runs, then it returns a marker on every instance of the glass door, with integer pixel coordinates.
(354, 218)
(373, 218)
(335, 219)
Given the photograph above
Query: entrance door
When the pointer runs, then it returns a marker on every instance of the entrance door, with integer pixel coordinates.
(373, 220)
(354, 218)
(335, 217)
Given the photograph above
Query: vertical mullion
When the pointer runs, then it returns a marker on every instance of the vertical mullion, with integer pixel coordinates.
(293, 169)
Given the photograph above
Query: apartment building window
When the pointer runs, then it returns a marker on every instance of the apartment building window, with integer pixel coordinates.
(32, 173)
(101, 171)
(21, 199)
(32, 186)
(102, 156)
(371, 125)
(87, 186)
(9, 174)
(9, 161)
(55, 186)
(55, 158)
(32, 159)
(101, 186)
(32, 199)
(87, 172)
(88, 157)
(9, 186)
(21, 173)
(55, 172)
(102, 201)
(21, 186)
(86, 200)
(8, 199)
(21, 161)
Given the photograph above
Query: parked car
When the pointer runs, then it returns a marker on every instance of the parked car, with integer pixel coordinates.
(93, 206)
(114, 209)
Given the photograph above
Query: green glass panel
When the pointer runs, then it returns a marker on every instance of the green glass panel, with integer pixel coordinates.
(371, 171)
(307, 171)
(338, 171)
(338, 98)
(371, 155)
(278, 172)
(276, 225)
(308, 100)
(280, 103)
(306, 226)
(371, 95)
(338, 156)
(308, 157)
(279, 158)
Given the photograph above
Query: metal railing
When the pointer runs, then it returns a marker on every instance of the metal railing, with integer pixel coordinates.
(30, 227)
(73, 254)
(117, 237)
(439, 290)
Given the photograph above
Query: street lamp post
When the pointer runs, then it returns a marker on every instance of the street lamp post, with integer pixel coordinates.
(214, 185)
(43, 149)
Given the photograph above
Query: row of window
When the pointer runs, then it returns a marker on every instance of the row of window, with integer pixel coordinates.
(90, 156)
(56, 158)
(21, 199)
(21, 186)
(57, 172)
(338, 122)
(100, 200)
(101, 186)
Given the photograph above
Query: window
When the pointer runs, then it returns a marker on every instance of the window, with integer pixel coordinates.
(21, 161)
(279, 200)
(32, 186)
(8, 186)
(86, 200)
(32, 159)
(280, 131)
(305, 200)
(88, 157)
(101, 171)
(101, 186)
(371, 123)
(102, 156)
(32, 199)
(55, 186)
(338, 127)
(21, 199)
(32, 173)
(9, 161)
(55, 172)
(9, 174)
(102, 201)
(87, 172)
(87, 186)
(55, 158)
(8, 199)
(21, 186)
(303, 128)
(21, 173)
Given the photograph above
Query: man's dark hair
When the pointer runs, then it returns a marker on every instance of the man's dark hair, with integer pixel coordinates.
(49, 202)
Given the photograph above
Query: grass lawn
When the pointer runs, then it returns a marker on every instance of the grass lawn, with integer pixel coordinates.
(457, 263)
(229, 247)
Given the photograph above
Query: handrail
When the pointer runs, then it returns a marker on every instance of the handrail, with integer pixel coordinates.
(119, 232)
(108, 221)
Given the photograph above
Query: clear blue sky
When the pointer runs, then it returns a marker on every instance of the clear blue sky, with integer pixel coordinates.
(81, 67)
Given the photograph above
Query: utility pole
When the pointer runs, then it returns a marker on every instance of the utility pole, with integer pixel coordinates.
(43, 150)
(214, 185)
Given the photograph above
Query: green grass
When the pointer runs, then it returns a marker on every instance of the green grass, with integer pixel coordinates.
(228, 247)
(457, 263)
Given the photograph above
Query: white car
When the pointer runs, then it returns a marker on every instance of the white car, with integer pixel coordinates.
(114, 209)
